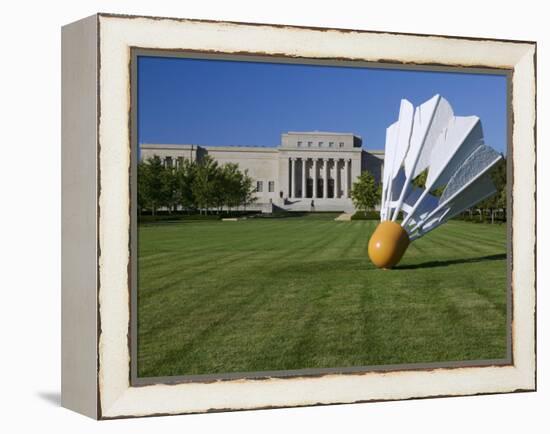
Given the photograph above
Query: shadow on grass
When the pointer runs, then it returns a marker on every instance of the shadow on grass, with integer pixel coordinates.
(432, 264)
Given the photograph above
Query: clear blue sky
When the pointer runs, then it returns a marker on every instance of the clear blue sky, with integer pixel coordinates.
(213, 102)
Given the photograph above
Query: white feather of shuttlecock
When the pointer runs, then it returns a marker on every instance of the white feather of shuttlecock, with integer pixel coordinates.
(451, 148)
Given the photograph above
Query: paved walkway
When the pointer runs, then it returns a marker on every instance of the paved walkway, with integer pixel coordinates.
(344, 217)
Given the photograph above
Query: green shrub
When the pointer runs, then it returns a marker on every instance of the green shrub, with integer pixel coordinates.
(175, 217)
(370, 215)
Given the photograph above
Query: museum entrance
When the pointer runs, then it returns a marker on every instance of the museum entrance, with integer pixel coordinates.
(330, 192)
(309, 188)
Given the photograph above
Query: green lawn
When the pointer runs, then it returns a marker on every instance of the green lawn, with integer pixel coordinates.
(300, 292)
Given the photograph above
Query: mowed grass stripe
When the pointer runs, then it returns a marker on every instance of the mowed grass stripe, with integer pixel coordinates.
(294, 293)
(473, 244)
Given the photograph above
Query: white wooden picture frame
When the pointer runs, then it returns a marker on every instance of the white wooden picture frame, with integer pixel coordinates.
(97, 230)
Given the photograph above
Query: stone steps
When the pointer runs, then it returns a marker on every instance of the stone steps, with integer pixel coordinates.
(334, 205)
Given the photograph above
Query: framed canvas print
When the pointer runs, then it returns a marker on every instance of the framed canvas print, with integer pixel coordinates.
(262, 216)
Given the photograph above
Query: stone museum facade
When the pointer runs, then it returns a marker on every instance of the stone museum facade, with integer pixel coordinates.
(309, 171)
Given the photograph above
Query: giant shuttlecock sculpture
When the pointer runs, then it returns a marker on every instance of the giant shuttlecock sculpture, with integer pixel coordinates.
(452, 150)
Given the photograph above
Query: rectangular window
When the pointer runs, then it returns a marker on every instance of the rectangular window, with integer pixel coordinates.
(271, 186)
(309, 144)
(341, 144)
(259, 186)
(299, 144)
(331, 144)
(320, 144)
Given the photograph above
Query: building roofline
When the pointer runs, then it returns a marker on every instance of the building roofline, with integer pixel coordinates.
(186, 146)
(324, 133)
(167, 145)
(241, 148)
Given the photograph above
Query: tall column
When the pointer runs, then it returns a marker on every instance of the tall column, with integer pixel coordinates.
(292, 177)
(325, 178)
(336, 178)
(346, 178)
(315, 178)
(304, 164)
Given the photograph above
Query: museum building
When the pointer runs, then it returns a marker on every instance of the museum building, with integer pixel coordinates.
(307, 171)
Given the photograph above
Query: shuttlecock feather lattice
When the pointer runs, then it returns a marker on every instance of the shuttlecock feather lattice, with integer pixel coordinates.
(452, 151)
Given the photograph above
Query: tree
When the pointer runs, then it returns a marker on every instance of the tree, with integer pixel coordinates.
(499, 178)
(498, 200)
(168, 195)
(151, 179)
(247, 190)
(203, 186)
(489, 206)
(365, 192)
(420, 182)
(185, 175)
(232, 181)
(141, 186)
(193, 185)
(224, 185)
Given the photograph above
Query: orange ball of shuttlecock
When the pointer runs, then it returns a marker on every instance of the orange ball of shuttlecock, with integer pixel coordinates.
(387, 244)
